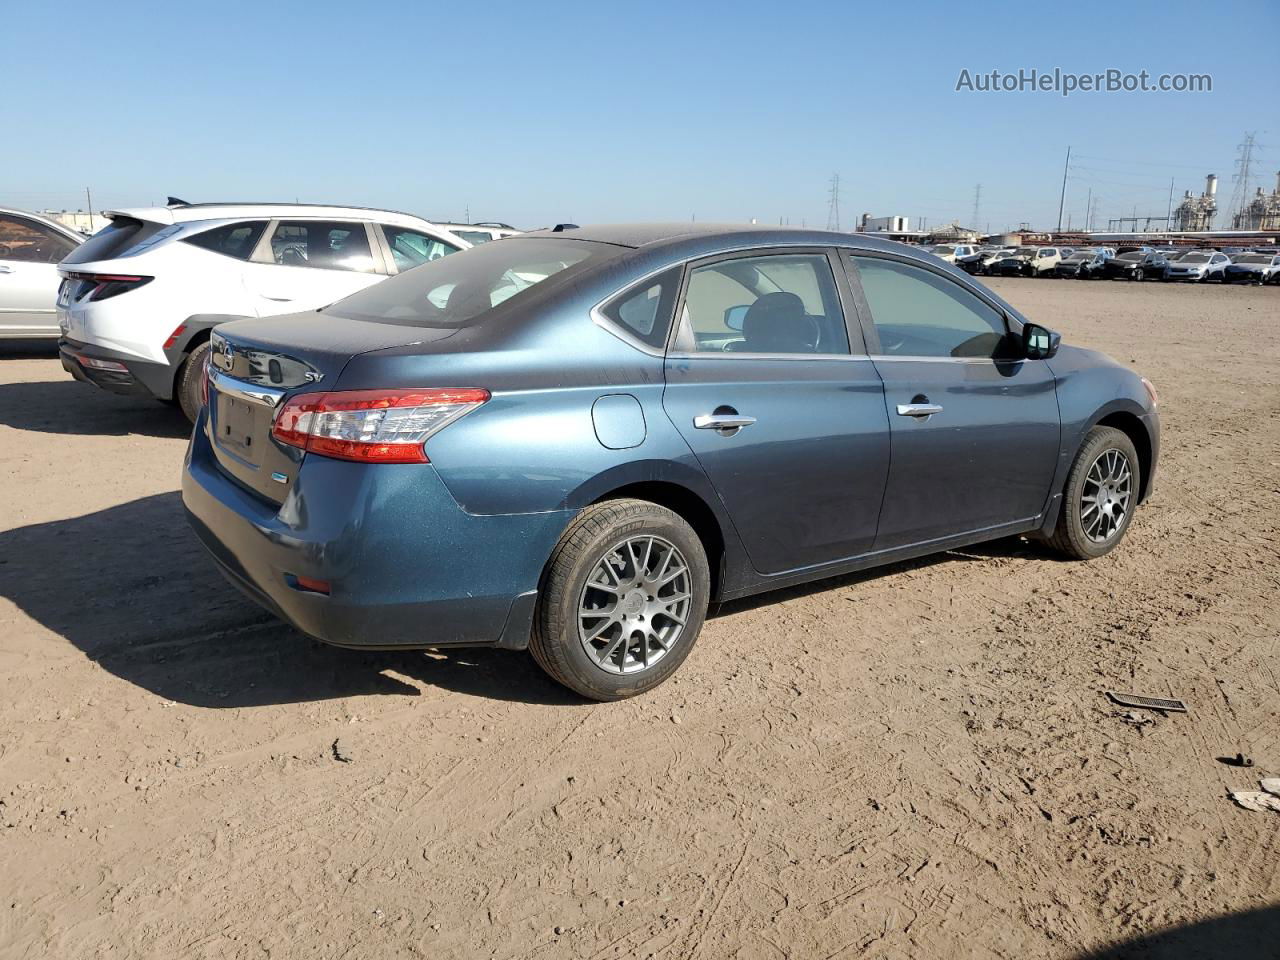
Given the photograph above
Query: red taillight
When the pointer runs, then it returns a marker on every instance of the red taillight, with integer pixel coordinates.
(372, 426)
(107, 285)
(173, 337)
(307, 584)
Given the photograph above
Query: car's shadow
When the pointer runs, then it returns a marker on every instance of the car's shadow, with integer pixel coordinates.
(1246, 934)
(71, 407)
(133, 590)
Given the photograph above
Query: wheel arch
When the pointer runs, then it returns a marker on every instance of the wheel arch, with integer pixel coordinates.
(1132, 427)
(692, 508)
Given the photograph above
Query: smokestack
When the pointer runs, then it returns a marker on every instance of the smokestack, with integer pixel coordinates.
(1211, 185)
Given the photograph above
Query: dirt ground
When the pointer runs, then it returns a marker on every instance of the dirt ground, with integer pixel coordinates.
(912, 762)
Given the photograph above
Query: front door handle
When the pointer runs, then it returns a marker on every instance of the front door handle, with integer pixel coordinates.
(728, 423)
(919, 410)
(5, 268)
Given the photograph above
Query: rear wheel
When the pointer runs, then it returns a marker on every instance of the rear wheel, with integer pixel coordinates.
(187, 388)
(1100, 496)
(623, 600)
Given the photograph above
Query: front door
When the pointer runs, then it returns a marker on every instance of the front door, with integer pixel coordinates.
(29, 255)
(787, 421)
(975, 433)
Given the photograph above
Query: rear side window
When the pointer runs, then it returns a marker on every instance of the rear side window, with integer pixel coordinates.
(412, 248)
(645, 310)
(772, 304)
(26, 241)
(323, 244)
(474, 236)
(235, 240)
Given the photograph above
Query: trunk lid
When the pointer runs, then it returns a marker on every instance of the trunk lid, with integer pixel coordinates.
(254, 365)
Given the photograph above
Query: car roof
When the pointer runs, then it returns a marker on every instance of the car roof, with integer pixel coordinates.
(727, 236)
(189, 212)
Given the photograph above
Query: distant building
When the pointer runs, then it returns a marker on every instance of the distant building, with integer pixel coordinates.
(870, 224)
(1197, 213)
(953, 233)
(1262, 212)
(86, 223)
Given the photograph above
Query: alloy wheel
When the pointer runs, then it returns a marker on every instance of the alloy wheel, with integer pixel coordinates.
(1104, 501)
(634, 605)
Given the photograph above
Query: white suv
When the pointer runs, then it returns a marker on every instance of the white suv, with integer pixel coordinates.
(139, 298)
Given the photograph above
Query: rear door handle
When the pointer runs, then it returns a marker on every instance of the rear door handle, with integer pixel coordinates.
(722, 421)
(918, 410)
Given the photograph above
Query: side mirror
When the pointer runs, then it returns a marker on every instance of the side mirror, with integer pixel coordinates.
(1039, 343)
(734, 317)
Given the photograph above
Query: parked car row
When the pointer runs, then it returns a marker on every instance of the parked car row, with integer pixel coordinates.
(1126, 263)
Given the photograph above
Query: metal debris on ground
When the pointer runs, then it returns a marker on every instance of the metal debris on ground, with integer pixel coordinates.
(1239, 760)
(1256, 800)
(1271, 785)
(1162, 704)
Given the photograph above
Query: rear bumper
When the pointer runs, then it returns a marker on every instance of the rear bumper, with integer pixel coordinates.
(138, 378)
(407, 566)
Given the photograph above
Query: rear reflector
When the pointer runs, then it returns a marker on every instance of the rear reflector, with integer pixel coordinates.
(95, 364)
(372, 426)
(173, 337)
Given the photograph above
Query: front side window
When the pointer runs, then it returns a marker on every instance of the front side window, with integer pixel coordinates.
(327, 245)
(645, 310)
(451, 291)
(781, 303)
(235, 240)
(918, 313)
(412, 248)
(26, 241)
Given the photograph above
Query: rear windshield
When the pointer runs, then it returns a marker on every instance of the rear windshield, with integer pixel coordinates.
(113, 239)
(452, 290)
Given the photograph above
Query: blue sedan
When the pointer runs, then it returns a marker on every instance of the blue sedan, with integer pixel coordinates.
(574, 441)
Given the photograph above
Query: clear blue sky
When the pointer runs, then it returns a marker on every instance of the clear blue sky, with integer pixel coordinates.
(541, 112)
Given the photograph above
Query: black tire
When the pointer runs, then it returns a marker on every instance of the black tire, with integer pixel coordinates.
(1069, 536)
(601, 530)
(186, 385)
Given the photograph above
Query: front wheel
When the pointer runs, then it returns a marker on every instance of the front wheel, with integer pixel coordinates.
(623, 600)
(1100, 496)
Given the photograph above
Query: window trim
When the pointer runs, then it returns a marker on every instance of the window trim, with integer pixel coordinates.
(263, 253)
(622, 331)
(1012, 324)
(680, 342)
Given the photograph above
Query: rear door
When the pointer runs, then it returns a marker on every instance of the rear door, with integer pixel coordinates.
(975, 436)
(29, 253)
(780, 404)
(308, 264)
